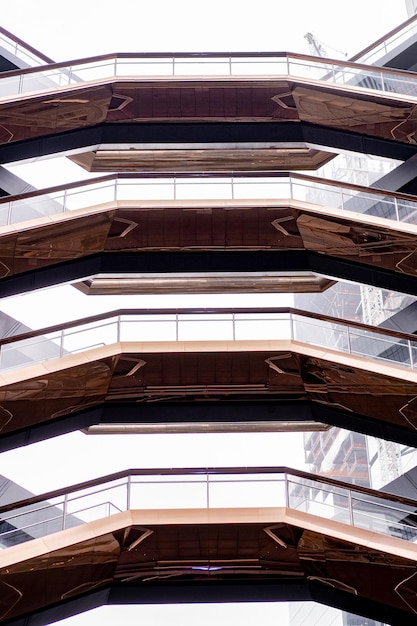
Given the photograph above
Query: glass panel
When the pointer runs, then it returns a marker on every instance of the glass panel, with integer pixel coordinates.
(212, 189)
(323, 500)
(407, 211)
(168, 492)
(95, 70)
(262, 328)
(247, 490)
(9, 87)
(89, 196)
(261, 189)
(33, 350)
(202, 67)
(148, 329)
(145, 67)
(200, 330)
(162, 189)
(259, 66)
(90, 336)
(365, 343)
(5, 209)
(100, 502)
(38, 206)
(379, 516)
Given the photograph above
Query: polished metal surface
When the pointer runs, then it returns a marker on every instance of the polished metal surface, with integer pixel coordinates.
(236, 524)
(208, 427)
(203, 159)
(351, 97)
(159, 356)
(114, 215)
(198, 282)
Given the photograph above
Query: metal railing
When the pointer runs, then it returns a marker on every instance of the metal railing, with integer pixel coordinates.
(208, 488)
(101, 69)
(93, 194)
(141, 326)
(386, 44)
(22, 50)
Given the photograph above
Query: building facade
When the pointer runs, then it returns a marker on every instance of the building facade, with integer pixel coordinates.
(348, 360)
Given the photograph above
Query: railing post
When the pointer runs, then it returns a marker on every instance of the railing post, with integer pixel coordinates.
(207, 490)
(230, 66)
(20, 87)
(128, 493)
(349, 346)
(291, 327)
(64, 201)
(177, 330)
(118, 329)
(351, 520)
(233, 326)
(287, 491)
(64, 511)
(382, 81)
(410, 351)
(61, 344)
(397, 214)
(9, 213)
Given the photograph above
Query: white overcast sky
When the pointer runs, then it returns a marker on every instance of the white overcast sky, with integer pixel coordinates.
(81, 28)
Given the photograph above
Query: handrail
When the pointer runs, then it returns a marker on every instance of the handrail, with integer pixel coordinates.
(206, 176)
(82, 195)
(206, 311)
(119, 66)
(193, 471)
(325, 61)
(279, 324)
(26, 46)
(385, 38)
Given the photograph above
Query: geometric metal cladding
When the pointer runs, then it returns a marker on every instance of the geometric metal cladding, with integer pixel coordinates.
(193, 373)
(354, 568)
(144, 555)
(187, 226)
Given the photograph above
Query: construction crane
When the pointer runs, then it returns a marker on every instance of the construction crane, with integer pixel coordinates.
(317, 48)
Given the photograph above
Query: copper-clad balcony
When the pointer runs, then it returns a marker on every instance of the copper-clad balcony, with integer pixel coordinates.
(238, 369)
(208, 534)
(224, 111)
(261, 234)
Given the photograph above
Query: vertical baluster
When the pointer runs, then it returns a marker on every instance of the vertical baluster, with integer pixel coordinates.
(128, 493)
(351, 520)
(397, 214)
(208, 490)
(64, 512)
(287, 491)
(410, 351)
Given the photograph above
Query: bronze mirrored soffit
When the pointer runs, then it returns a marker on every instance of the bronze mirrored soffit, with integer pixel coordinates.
(152, 367)
(104, 233)
(137, 548)
(125, 104)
